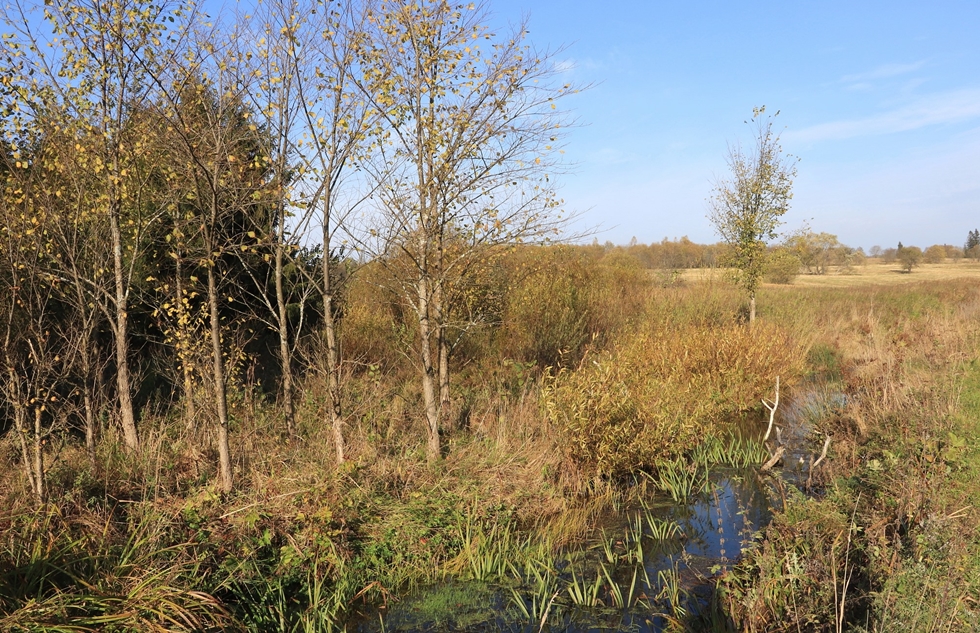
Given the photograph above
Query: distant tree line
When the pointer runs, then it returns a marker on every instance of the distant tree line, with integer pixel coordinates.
(800, 252)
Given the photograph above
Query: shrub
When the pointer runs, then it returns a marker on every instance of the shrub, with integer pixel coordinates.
(855, 258)
(909, 257)
(783, 267)
(935, 254)
(561, 299)
(656, 396)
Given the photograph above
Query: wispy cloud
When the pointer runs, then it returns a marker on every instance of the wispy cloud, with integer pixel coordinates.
(882, 72)
(936, 109)
(607, 156)
(565, 66)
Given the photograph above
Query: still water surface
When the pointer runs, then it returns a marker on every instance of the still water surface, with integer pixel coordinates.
(651, 572)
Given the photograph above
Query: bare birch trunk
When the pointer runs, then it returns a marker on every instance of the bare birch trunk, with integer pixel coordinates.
(127, 416)
(752, 308)
(190, 410)
(20, 424)
(429, 378)
(224, 453)
(330, 332)
(87, 400)
(443, 370)
(333, 382)
(89, 426)
(333, 365)
(39, 489)
(442, 344)
(285, 358)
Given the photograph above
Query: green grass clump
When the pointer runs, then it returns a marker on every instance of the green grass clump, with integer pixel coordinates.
(59, 574)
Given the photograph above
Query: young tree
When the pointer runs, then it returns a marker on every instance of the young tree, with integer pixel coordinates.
(79, 259)
(746, 208)
(42, 330)
(27, 305)
(909, 256)
(265, 62)
(222, 161)
(463, 159)
(309, 98)
(337, 120)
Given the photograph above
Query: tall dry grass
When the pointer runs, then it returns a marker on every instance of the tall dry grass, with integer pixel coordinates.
(893, 542)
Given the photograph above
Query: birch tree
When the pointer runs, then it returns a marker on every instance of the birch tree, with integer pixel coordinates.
(223, 163)
(37, 330)
(747, 206)
(264, 62)
(79, 261)
(335, 122)
(464, 160)
(92, 65)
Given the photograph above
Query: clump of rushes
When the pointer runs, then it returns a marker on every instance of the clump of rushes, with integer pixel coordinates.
(63, 573)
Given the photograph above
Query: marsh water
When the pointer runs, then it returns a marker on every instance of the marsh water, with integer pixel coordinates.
(643, 566)
(663, 557)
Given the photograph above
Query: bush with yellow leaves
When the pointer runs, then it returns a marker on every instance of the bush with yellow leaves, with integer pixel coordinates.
(656, 396)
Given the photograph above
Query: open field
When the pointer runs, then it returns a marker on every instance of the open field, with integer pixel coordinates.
(882, 274)
(874, 273)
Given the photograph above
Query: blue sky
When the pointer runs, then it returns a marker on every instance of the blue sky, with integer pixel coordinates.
(880, 102)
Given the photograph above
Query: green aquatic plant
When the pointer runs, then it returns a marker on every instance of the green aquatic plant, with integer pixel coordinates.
(582, 593)
(539, 589)
(731, 450)
(671, 592)
(681, 480)
(489, 555)
(608, 545)
(660, 529)
(617, 597)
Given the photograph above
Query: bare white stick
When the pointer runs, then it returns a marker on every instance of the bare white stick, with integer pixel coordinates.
(775, 458)
(544, 618)
(772, 410)
(823, 453)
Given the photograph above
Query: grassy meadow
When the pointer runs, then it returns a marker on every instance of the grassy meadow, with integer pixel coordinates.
(592, 378)
(873, 272)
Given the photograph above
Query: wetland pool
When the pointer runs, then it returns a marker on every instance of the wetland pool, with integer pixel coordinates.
(642, 566)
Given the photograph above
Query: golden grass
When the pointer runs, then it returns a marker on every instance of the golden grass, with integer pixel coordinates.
(873, 273)
(901, 352)
(881, 274)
